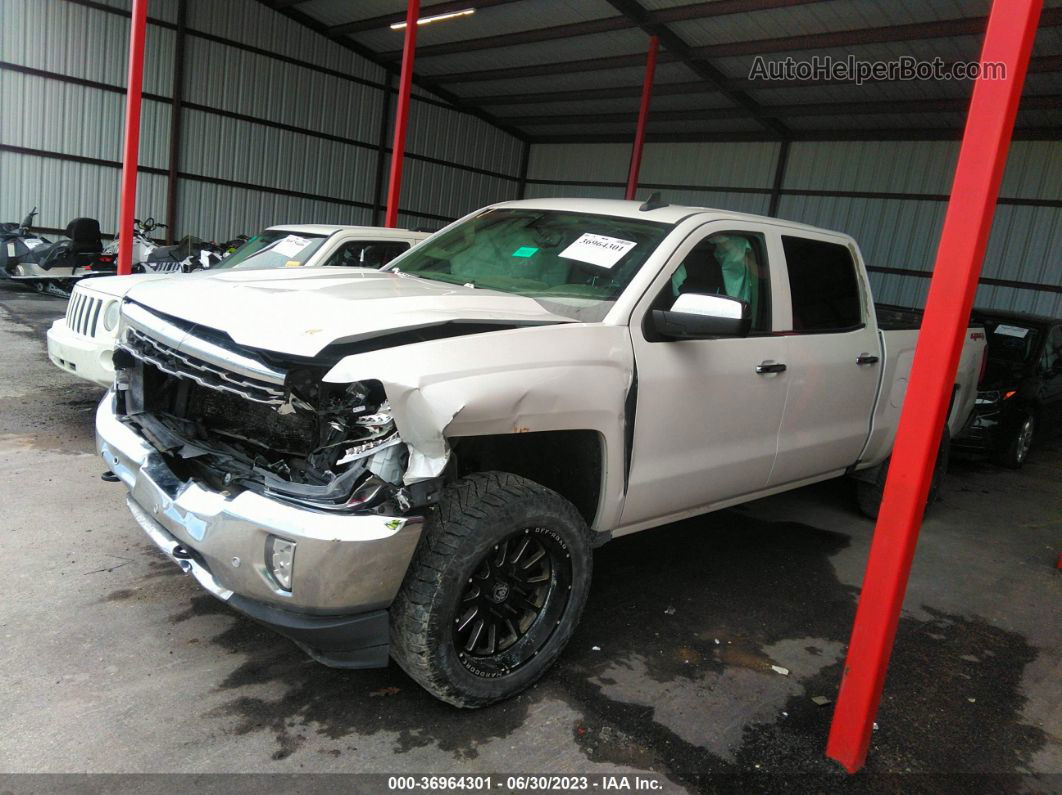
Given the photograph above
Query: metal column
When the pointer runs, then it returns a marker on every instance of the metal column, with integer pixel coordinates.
(398, 149)
(643, 116)
(175, 122)
(982, 157)
(131, 150)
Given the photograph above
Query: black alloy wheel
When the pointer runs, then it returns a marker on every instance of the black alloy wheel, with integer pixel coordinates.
(512, 602)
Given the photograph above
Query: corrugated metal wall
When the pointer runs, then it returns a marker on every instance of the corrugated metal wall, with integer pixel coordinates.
(890, 195)
(280, 125)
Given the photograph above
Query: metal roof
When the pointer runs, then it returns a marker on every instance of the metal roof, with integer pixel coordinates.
(560, 70)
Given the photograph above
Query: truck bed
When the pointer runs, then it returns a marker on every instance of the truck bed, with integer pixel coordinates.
(898, 328)
(892, 317)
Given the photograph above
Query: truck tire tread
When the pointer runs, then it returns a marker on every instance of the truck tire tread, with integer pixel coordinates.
(462, 517)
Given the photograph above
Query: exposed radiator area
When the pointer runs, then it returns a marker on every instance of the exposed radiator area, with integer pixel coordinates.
(182, 365)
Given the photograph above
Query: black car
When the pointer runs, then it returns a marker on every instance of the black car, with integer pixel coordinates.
(1020, 395)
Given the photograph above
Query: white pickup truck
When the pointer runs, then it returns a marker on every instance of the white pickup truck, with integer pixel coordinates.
(417, 462)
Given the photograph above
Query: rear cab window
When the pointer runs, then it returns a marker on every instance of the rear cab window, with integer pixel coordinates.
(366, 253)
(823, 284)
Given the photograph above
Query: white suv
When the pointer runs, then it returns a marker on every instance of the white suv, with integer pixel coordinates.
(82, 341)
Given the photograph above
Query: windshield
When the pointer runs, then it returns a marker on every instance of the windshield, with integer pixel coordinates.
(1009, 342)
(574, 264)
(273, 248)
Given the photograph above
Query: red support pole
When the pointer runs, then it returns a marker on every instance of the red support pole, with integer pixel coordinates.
(405, 80)
(131, 151)
(643, 117)
(982, 157)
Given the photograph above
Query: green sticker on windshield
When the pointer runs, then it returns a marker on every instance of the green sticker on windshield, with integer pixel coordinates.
(525, 251)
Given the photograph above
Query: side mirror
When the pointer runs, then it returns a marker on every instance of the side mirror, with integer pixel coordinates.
(696, 316)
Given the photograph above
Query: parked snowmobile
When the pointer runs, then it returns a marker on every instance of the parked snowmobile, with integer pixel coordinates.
(53, 267)
(143, 245)
(187, 255)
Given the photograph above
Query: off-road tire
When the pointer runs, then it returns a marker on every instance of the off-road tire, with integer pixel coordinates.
(1016, 451)
(869, 494)
(474, 515)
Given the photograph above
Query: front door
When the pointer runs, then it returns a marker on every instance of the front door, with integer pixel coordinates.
(706, 421)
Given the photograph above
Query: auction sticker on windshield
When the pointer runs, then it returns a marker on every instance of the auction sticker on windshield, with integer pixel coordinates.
(290, 246)
(599, 250)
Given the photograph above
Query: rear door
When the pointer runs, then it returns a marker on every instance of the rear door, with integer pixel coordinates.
(832, 356)
(706, 424)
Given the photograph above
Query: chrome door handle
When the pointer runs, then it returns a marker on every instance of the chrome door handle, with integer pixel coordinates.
(765, 368)
(866, 358)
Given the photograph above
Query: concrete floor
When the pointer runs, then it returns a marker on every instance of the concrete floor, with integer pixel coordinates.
(114, 662)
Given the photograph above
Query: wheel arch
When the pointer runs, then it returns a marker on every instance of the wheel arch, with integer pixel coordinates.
(570, 462)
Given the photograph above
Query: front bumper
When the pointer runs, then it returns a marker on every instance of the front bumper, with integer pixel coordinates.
(347, 568)
(85, 357)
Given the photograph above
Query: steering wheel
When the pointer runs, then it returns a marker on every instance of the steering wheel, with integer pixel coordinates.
(148, 225)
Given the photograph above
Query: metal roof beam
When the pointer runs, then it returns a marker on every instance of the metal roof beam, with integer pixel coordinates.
(950, 105)
(698, 65)
(901, 134)
(386, 20)
(948, 28)
(1041, 65)
(589, 27)
(848, 38)
(419, 80)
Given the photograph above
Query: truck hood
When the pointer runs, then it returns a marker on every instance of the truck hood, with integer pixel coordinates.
(300, 312)
(118, 286)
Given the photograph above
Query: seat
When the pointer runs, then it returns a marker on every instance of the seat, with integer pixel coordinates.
(84, 234)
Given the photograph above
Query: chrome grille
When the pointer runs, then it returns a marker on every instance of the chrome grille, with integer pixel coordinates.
(170, 360)
(164, 267)
(83, 313)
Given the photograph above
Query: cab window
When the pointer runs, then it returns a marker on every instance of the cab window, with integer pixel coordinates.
(733, 264)
(823, 285)
(366, 253)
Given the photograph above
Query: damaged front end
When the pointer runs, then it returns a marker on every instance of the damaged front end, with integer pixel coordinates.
(236, 419)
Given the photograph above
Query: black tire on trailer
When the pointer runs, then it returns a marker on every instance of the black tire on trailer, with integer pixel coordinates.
(869, 494)
(495, 589)
(1016, 447)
